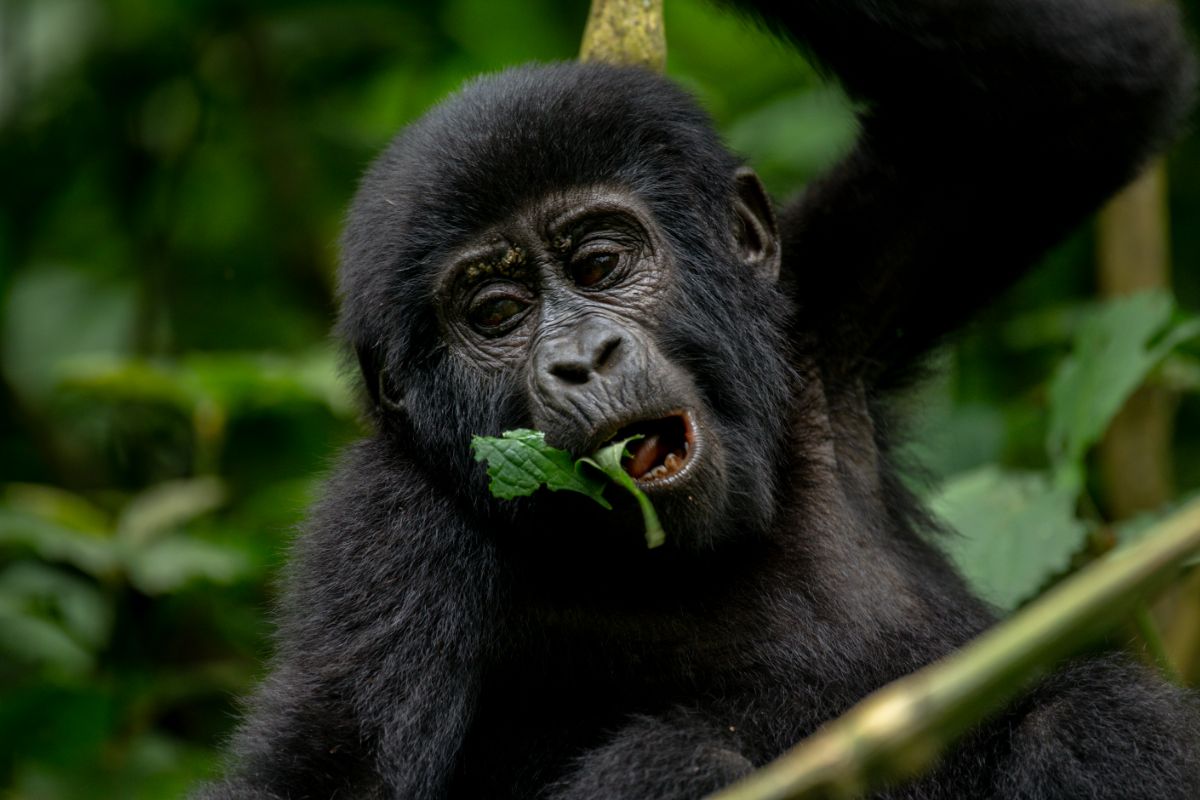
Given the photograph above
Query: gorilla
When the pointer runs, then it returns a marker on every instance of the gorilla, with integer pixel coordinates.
(571, 248)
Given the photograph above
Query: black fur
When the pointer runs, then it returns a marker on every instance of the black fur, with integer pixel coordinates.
(434, 642)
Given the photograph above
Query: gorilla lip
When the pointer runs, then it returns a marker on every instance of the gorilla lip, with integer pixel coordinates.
(665, 449)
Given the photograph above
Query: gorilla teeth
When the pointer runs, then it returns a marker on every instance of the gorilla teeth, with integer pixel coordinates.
(670, 466)
(663, 449)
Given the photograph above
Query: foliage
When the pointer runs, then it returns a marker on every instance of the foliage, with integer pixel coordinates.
(1015, 530)
(520, 462)
(174, 179)
(108, 625)
(608, 460)
(1019, 529)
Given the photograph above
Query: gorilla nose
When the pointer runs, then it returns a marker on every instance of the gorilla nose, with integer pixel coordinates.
(591, 351)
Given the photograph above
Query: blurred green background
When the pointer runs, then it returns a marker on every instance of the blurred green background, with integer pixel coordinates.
(173, 178)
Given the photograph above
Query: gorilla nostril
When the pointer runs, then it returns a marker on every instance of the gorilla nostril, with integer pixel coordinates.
(607, 354)
(591, 351)
(570, 373)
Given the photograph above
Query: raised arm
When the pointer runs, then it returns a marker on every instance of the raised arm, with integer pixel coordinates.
(989, 129)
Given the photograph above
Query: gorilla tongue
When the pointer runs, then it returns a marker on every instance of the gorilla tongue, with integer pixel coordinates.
(646, 453)
(662, 450)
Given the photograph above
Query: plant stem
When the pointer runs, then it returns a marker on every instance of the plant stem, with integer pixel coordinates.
(628, 32)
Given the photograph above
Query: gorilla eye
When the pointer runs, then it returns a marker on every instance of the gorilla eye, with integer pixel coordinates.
(590, 269)
(494, 312)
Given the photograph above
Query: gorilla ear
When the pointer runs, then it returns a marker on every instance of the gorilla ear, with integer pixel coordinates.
(378, 382)
(370, 372)
(757, 235)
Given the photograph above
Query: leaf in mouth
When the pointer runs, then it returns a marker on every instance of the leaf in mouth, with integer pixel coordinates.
(519, 462)
(608, 461)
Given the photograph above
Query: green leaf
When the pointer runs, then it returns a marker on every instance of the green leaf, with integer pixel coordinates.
(233, 382)
(519, 462)
(168, 506)
(170, 563)
(72, 603)
(1015, 530)
(51, 618)
(51, 541)
(608, 461)
(115, 379)
(1116, 346)
(58, 506)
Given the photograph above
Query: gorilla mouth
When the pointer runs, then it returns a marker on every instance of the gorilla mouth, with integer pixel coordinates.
(665, 449)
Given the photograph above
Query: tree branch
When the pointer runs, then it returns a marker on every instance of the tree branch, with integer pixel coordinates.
(628, 32)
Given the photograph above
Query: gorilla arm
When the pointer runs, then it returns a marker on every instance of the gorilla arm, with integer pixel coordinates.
(381, 639)
(989, 130)
(681, 755)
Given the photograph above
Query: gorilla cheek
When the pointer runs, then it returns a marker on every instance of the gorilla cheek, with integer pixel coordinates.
(446, 406)
(696, 514)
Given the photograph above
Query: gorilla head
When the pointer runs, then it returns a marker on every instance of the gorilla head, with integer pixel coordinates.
(571, 248)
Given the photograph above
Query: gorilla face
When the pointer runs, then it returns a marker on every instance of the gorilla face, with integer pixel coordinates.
(568, 298)
(566, 295)
(573, 316)
(622, 303)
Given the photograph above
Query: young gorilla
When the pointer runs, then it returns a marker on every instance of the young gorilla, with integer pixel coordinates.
(571, 248)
